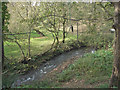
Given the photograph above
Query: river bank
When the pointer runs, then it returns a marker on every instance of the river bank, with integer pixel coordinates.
(50, 65)
(92, 70)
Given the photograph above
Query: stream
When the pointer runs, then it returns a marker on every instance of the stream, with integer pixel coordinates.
(50, 65)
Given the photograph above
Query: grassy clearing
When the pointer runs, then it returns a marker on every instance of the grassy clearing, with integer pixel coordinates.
(38, 44)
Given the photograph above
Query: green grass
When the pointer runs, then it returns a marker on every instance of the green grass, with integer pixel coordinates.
(93, 68)
(42, 84)
(97, 40)
(12, 50)
(38, 45)
(8, 79)
(105, 85)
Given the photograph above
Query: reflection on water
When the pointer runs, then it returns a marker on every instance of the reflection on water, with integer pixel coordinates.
(50, 65)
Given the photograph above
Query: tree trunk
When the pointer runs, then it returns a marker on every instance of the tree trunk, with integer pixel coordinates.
(115, 77)
(29, 54)
(2, 52)
(77, 31)
(63, 31)
(57, 38)
(3, 24)
(21, 49)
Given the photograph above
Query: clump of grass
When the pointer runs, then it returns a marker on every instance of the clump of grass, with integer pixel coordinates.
(105, 85)
(8, 79)
(97, 40)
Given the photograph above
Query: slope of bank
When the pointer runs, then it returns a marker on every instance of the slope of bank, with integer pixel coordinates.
(90, 71)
